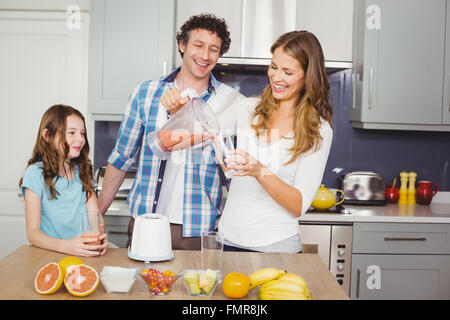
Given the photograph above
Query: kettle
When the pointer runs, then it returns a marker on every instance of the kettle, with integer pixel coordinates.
(325, 199)
(151, 240)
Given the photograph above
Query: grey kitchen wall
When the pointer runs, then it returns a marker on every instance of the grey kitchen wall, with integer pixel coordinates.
(387, 152)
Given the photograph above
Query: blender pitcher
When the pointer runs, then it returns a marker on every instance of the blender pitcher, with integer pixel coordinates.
(193, 124)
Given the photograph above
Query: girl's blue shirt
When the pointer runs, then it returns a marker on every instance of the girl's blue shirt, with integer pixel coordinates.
(62, 217)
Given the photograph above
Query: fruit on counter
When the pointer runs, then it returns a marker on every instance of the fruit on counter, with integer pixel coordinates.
(67, 262)
(282, 285)
(236, 285)
(48, 279)
(201, 283)
(81, 280)
(282, 295)
(293, 277)
(264, 275)
(192, 280)
(158, 282)
(293, 288)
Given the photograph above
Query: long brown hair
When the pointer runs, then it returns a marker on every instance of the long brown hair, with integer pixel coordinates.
(313, 101)
(54, 120)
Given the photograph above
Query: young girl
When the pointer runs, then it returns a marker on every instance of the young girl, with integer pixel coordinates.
(58, 185)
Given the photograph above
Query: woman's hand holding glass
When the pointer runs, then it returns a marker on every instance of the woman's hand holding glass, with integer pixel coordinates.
(245, 164)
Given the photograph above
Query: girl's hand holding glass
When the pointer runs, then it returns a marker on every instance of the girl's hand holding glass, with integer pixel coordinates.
(93, 236)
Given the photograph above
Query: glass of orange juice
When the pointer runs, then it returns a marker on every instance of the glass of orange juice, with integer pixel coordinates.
(91, 226)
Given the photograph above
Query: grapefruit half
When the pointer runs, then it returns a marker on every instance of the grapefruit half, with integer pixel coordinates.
(48, 279)
(81, 280)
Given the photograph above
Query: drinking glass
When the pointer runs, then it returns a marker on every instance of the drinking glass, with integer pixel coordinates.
(91, 226)
(221, 147)
(212, 250)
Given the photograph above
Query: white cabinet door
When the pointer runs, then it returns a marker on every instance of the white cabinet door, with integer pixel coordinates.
(399, 65)
(42, 63)
(400, 277)
(332, 22)
(130, 41)
(446, 100)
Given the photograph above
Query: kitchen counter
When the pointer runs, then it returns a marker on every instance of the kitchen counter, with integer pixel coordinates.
(435, 213)
(118, 208)
(18, 270)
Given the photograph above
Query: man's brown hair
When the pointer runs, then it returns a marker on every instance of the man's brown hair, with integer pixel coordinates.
(208, 22)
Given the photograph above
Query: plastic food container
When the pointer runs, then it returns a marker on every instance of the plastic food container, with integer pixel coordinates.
(118, 279)
(159, 279)
(195, 287)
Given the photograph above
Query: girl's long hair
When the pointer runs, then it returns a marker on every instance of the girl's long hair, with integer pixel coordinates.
(55, 120)
(313, 101)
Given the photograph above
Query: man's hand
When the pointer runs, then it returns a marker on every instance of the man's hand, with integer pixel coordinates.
(173, 101)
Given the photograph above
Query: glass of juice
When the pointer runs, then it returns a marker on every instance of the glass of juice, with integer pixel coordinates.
(91, 226)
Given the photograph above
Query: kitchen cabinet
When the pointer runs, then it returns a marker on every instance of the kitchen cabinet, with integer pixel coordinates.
(42, 63)
(255, 24)
(446, 103)
(399, 58)
(402, 277)
(130, 41)
(400, 261)
(332, 23)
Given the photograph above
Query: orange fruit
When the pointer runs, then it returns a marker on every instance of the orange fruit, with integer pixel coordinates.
(236, 285)
(81, 280)
(67, 262)
(48, 279)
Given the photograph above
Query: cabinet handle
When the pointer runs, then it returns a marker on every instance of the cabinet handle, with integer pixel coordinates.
(118, 232)
(370, 98)
(358, 275)
(164, 68)
(404, 239)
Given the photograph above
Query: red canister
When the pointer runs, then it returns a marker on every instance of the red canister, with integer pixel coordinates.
(391, 194)
(424, 193)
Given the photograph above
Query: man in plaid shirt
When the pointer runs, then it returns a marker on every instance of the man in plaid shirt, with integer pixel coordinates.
(187, 187)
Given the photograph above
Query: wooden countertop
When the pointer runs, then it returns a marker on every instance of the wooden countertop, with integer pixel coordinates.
(18, 270)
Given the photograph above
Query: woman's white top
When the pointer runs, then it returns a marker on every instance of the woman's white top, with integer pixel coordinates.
(251, 217)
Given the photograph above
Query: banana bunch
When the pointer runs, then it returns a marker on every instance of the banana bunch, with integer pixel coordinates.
(276, 284)
(264, 275)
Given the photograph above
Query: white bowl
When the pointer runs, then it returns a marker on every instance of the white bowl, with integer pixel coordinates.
(118, 279)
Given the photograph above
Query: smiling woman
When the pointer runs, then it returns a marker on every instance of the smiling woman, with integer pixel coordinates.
(284, 139)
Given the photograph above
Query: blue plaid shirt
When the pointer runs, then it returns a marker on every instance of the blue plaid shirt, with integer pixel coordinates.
(202, 198)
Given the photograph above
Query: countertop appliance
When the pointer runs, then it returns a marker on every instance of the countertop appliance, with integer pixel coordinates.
(334, 246)
(124, 189)
(151, 240)
(363, 188)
